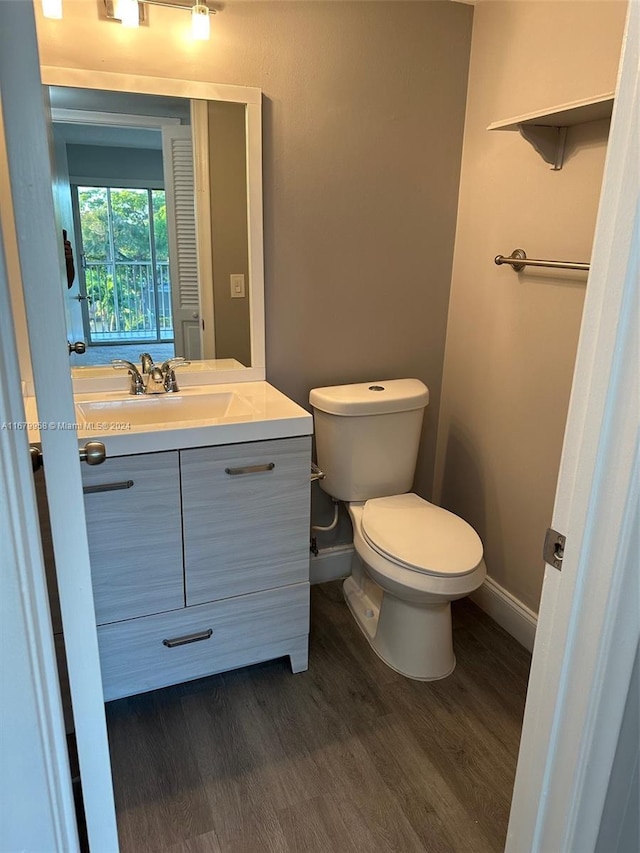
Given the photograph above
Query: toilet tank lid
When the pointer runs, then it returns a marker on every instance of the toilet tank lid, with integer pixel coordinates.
(371, 398)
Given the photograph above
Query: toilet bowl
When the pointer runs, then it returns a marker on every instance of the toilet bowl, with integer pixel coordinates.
(411, 558)
(402, 601)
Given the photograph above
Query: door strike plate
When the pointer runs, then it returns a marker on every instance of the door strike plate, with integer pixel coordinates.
(553, 551)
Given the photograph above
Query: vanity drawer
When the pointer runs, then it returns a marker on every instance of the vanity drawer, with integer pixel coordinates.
(246, 517)
(155, 651)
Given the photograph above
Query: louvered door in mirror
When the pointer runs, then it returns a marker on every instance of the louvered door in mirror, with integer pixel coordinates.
(177, 154)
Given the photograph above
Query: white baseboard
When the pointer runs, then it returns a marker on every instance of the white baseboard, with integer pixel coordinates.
(505, 609)
(331, 564)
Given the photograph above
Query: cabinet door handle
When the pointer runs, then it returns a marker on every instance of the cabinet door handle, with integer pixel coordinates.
(251, 469)
(188, 638)
(107, 487)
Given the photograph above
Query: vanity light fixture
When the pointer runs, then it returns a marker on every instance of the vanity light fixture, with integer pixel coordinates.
(200, 26)
(131, 13)
(127, 12)
(52, 8)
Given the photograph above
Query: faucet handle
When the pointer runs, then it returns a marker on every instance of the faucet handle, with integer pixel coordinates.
(123, 364)
(169, 373)
(137, 383)
(170, 363)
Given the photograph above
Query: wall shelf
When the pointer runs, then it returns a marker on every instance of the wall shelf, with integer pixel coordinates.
(546, 130)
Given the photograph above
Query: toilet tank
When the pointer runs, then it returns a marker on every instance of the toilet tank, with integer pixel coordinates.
(367, 436)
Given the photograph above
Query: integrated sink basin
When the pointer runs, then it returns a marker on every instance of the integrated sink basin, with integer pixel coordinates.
(196, 416)
(162, 409)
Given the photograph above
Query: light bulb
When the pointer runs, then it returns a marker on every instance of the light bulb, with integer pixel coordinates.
(129, 13)
(200, 22)
(52, 8)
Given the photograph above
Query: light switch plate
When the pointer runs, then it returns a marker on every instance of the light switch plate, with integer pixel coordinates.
(237, 286)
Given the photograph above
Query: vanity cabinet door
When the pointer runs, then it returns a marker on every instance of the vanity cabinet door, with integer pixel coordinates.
(245, 517)
(132, 505)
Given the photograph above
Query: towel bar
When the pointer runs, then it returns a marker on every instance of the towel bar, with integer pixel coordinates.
(519, 260)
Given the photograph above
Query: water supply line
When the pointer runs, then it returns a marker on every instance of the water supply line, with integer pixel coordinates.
(317, 474)
(319, 528)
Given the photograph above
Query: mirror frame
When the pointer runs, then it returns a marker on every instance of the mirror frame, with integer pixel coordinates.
(251, 97)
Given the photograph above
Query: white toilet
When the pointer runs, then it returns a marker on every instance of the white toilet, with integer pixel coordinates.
(411, 558)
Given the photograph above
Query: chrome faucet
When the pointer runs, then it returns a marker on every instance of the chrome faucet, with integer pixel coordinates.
(151, 379)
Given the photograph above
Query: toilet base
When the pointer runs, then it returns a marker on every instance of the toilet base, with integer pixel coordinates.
(414, 640)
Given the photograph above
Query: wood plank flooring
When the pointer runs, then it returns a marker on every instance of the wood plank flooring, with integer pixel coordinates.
(349, 756)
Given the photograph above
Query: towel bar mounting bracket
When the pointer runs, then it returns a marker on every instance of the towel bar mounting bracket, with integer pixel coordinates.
(520, 255)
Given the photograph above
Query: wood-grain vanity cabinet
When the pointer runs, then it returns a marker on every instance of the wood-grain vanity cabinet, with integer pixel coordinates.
(199, 561)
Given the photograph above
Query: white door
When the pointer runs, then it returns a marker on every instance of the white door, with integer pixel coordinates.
(589, 623)
(33, 750)
(177, 157)
(39, 248)
(65, 220)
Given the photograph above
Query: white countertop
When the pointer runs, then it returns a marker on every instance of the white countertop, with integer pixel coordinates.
(262, 412)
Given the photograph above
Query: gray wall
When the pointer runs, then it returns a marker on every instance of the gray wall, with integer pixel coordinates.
(363, 119)
(362, 175)
(228, 198)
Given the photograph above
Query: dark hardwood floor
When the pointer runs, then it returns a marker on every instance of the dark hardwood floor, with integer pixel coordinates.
(349, 756)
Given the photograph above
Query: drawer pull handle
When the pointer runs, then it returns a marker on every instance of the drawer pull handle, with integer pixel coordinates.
(108, 487)
(188, 638)
(251, 469)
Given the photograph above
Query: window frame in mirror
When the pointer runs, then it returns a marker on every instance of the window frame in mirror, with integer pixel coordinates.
(251, 97)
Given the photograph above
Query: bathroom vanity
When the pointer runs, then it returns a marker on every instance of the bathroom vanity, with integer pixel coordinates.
(199, 560)
(200, 547)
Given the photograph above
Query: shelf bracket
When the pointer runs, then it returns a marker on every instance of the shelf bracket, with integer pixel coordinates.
(549, 142)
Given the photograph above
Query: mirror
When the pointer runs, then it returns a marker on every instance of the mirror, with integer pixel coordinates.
(158, 183)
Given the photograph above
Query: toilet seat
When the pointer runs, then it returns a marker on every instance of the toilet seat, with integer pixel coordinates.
(419, 536)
